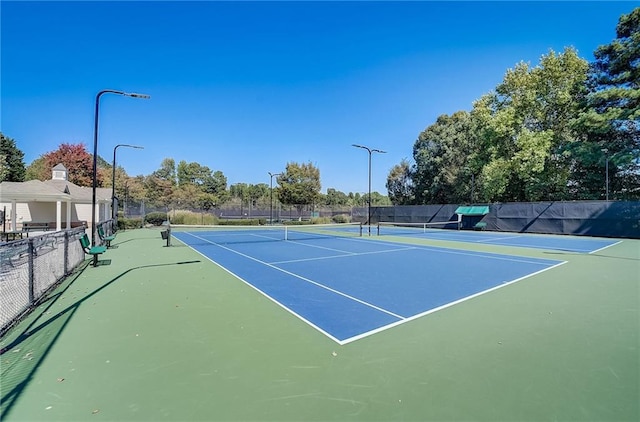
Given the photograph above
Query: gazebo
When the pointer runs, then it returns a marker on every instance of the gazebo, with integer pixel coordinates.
(52, 203)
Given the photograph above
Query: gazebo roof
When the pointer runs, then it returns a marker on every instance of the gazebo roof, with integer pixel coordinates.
(50, 191)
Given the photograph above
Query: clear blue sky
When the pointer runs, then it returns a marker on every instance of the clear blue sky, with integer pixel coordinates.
(245, 87)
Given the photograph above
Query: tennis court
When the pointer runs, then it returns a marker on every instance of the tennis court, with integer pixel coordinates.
(350, 287)
(165, 334)
(445, 231)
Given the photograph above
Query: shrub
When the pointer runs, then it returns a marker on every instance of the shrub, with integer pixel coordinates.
(341, 218)
(243, 222)
(129, 223)
(192, 218)
(156, 218)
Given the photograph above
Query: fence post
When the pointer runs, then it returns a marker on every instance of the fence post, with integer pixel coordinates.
(66, 252)
(31, 254)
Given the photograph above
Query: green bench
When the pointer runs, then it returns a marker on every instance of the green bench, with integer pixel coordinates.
(481, 225)
(94, 251)
(105, 239)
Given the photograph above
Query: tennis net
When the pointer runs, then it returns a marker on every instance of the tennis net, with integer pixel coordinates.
(227, 234)
(401, 229)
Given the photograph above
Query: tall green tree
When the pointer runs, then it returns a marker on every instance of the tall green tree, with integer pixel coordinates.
(215, 183)
(400, 184)
(525, 129)
(299, 185)
(335, 198)
(160, 185)
(441, 153)
(167, 171)
(12, 167)
(258, 192)
(608, 127)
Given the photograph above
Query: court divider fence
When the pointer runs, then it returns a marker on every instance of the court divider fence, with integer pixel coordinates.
(31, 267)
(620, 219)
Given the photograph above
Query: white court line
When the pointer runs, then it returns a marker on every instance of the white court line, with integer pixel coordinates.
(493, 239)
(549, 248)
(605, 247)
(342, 256)
(355, 299)
(446, 305)
(319, 247)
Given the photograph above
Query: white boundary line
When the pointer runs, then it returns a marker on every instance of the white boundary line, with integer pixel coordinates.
(346, 254)
(451, 235)
(605, 247)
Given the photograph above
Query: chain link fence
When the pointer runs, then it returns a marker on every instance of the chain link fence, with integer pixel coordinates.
(31, 267)
(248, 210)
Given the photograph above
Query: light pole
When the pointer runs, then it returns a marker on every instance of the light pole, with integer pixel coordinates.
(114, 213)
(473, 177)
(473, 182)
(271, 175)
(95, 153)
(370, 151)
(606, 171)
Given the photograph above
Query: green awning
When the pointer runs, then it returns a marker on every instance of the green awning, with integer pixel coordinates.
(477, 210)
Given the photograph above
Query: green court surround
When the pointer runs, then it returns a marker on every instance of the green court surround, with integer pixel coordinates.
(160, 333)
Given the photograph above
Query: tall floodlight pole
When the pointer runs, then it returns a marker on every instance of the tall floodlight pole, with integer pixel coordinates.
(95, 153)
(606, 171)
(473, 182)
(370, 151)
(473, 177)
(114, 213)
(271, 175)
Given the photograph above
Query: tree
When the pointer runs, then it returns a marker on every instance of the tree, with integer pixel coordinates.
(335, 198)
(37, 170)
(377, 199)
(167, 171)
(158, 191)
(525, 130)
(256, 192)
(74, 157)
(213, 184)
(608, 125)
(400, 184)
(216, 184)
(299, 185)
(191, 173)
(441, 153)
(133, 189)
(160, 184)
(12, 168)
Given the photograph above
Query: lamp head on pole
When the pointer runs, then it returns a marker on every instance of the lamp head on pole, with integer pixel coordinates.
(136, 95)
(128, 146)
(369, 149)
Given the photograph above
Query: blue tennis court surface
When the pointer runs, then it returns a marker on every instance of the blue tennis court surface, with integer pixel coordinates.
(524, 240)
(349, 288)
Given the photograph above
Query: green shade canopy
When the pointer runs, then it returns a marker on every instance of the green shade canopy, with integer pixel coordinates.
(478, 210)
